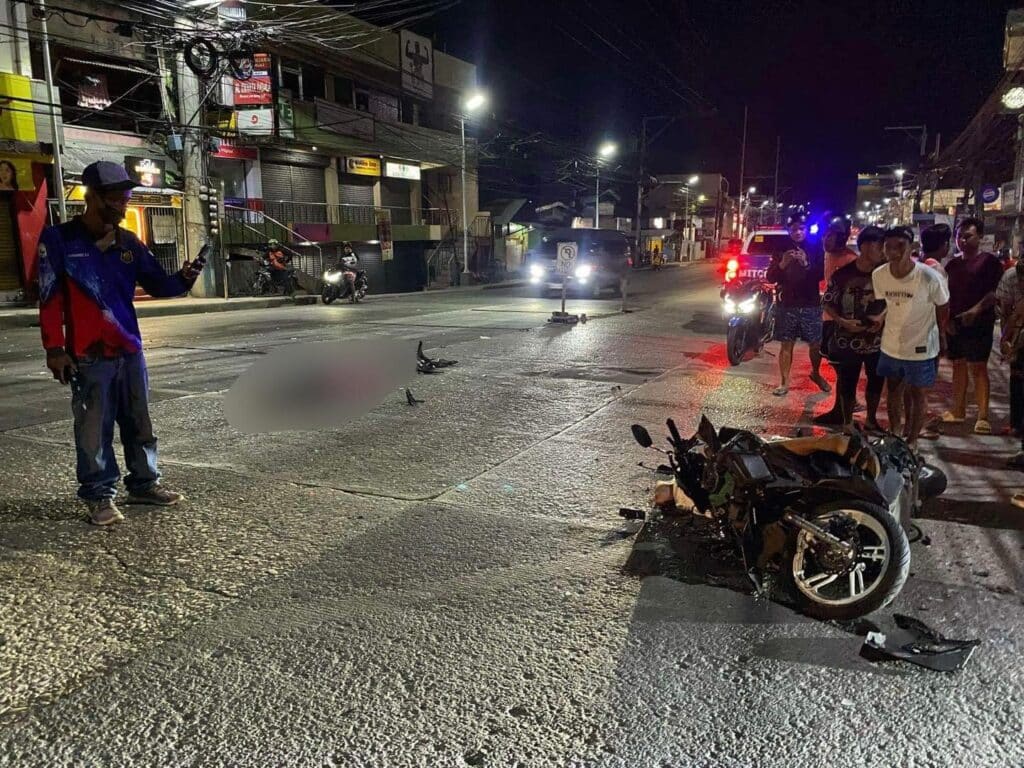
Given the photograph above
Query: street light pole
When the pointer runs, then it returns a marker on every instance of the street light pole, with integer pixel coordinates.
(743, 165)
(597, 199)
(465, 208)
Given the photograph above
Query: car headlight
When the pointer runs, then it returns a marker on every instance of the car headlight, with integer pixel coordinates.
(536, 270)
(730, 306)
(748, 306)
(583, 271)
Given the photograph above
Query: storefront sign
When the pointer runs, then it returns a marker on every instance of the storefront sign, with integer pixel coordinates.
(145, 171)
(92, 91)
(387, 246)
(255, 122)
(417, 55)
(17, 118)
(16, 173)
(990, 197)
(402, 171)
(256, 90)
(229, 150)
(1009, 198)
(362, 166)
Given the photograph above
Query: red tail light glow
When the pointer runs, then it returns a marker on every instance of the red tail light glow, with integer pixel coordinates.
(732, 265)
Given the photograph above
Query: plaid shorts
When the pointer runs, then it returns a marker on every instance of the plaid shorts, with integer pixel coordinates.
(803, 323)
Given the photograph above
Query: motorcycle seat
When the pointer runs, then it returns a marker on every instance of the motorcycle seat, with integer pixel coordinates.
(850, 448)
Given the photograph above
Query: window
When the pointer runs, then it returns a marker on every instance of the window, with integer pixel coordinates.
(410, 112)
(343, 91)
(291, 78)
(105, 93)
(313, 83)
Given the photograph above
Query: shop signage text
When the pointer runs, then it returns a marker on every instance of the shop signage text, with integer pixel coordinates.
(362, 166)
(145, 171)
(402, 171)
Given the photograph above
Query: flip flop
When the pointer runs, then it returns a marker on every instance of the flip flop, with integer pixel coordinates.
(1018, 500)
(780, 391)
(949, 418)
(982, 427)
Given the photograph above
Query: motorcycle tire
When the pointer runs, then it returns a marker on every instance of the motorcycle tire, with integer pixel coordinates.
(884, 587)
(327, 295)
(736, 343)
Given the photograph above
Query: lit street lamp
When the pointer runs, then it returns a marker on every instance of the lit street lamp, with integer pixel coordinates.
(471, 104)
(1014, 98)
(604, 152)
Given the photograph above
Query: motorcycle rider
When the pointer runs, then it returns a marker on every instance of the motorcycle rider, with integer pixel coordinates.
(280, 263)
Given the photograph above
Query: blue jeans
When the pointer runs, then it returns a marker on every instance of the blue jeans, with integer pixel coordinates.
(109, 391)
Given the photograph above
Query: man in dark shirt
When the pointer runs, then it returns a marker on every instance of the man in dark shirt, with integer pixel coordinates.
(973, 279)
(849, 301)
(798, 273)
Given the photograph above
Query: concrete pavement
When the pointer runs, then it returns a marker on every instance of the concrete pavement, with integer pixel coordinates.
(449, 584)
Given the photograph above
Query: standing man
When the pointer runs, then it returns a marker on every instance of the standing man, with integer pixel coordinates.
(1010, 295)
(973, 279)
(849, 301)
(837, 255)
(798, 272)
(88, 268)
(915, 316)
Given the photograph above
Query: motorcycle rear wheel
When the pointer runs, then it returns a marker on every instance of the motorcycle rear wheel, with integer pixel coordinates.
(736, 343)
(881, 564)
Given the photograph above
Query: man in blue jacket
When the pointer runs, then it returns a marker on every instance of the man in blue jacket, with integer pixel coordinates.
(88, 268)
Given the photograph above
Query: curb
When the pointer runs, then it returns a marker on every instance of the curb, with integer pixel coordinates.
(29, 318)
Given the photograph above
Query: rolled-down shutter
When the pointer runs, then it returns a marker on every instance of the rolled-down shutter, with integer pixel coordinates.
(9, 274)
(394, 194)
(356, 196)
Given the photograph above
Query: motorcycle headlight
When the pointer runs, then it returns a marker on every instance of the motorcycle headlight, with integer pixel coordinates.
(748, 306)
(537, 271)
(332, 277)
(583, 271)
(730, 306)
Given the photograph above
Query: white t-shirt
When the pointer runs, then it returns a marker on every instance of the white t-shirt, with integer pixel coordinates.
(911, 331)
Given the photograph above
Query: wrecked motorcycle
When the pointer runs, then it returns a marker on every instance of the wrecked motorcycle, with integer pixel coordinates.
(827, 515)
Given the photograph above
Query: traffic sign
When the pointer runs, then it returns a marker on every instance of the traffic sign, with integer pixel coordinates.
(565, 264)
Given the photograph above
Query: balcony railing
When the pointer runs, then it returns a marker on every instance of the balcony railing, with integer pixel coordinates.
(345, 213)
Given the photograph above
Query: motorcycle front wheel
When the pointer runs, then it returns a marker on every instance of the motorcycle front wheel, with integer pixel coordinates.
(328, 294)
(829, 585)
(736, 343)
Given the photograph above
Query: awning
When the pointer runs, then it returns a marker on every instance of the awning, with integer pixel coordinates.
(503, 212)
(77, 156)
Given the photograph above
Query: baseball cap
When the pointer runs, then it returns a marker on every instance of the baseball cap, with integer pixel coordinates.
(106, 176)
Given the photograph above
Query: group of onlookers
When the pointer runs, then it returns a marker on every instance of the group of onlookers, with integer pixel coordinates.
(889, 311)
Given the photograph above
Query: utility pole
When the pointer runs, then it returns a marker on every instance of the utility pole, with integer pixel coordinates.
(640, 185)
(743, 166)
(58, 166)
(775, 195)
(189, 109)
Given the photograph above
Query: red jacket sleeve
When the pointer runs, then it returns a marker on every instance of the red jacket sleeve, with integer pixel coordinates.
(51, 289)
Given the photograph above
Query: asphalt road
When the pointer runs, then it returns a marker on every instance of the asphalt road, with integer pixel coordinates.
(450, 584)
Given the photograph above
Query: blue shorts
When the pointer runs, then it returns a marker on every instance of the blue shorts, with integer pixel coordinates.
(804, 323)
(917, 373)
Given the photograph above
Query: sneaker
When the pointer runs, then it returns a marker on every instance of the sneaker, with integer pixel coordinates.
(104, 512)
(157, 496)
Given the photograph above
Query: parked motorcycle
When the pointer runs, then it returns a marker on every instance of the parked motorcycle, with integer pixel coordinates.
(749, 303)
(828, 515)
(344, 281)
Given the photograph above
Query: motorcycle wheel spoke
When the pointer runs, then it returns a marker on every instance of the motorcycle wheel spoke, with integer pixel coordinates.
(856, 582)
(820, 580)
(876, 553)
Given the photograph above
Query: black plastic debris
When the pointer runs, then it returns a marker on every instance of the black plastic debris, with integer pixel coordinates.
(410, 398)
(916, 642)
(632, 514)
(426, 364)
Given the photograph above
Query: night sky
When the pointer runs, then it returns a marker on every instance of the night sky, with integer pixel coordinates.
(826, 76)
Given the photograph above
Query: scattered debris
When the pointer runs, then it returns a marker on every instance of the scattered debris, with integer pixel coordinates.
(916, 642)
(411, 398)
(632, 514)
(426, 364)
